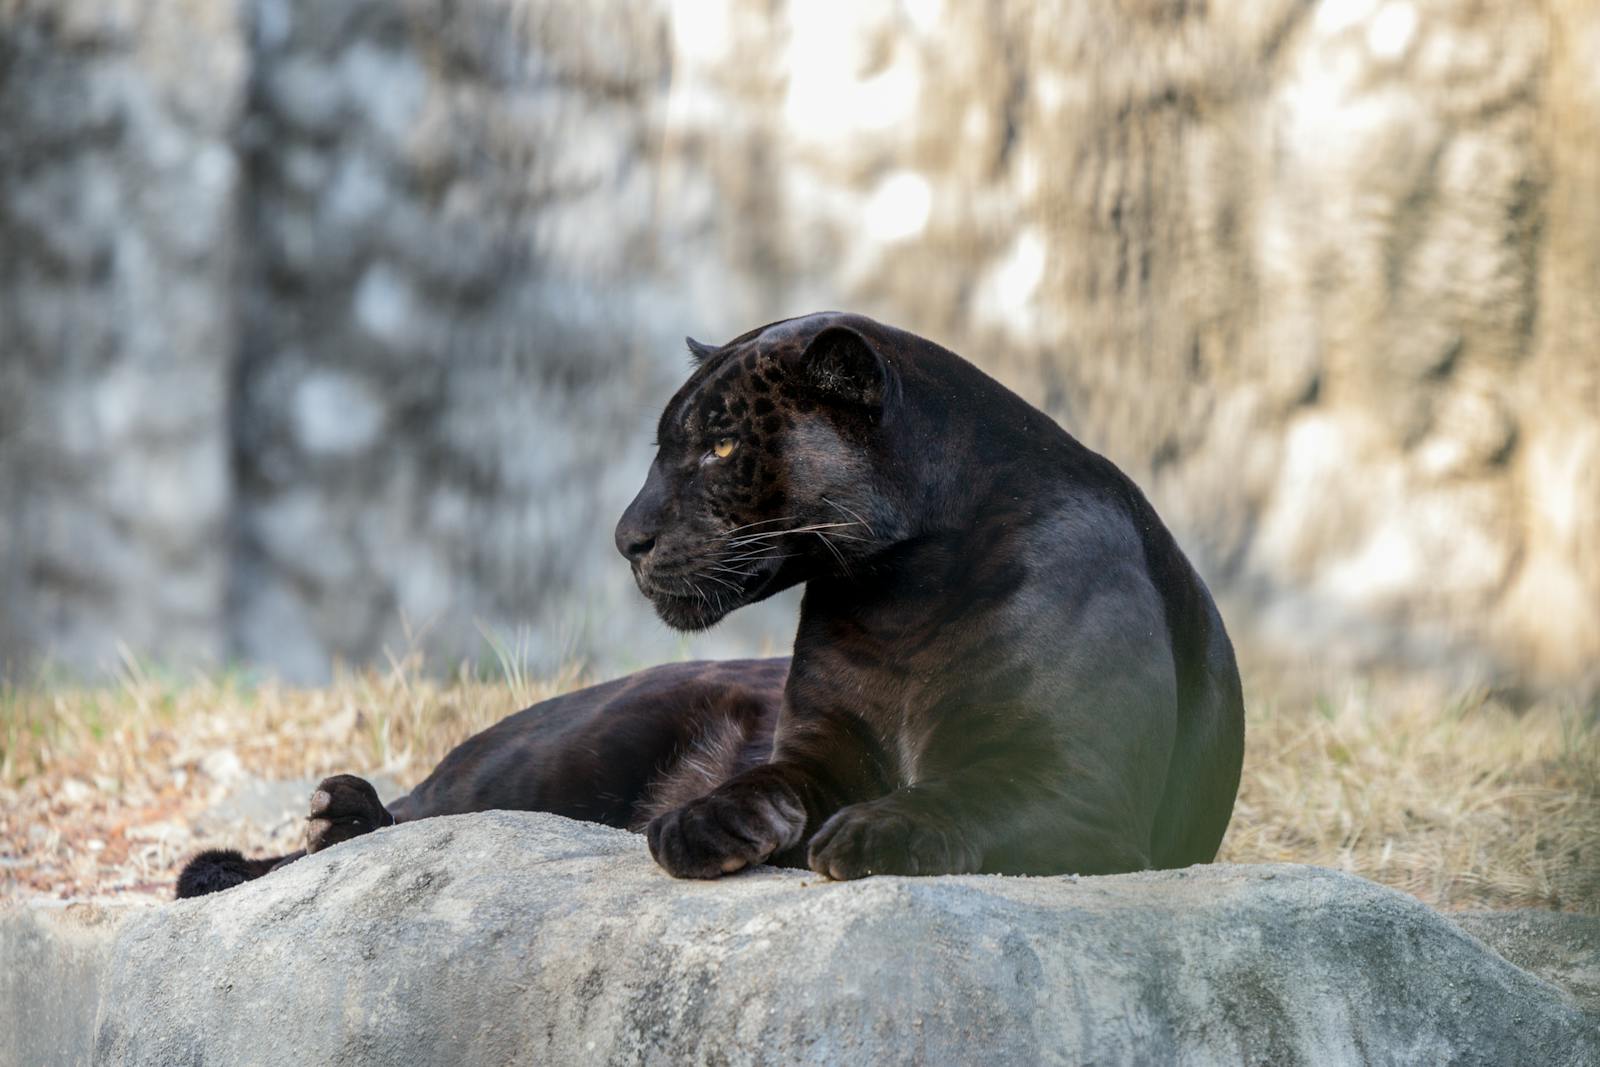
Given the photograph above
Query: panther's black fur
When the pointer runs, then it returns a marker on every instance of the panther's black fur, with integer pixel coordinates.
(1003, 662)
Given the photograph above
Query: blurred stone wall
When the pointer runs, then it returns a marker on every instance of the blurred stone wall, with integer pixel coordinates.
(389, 293)
(118, 188)
(452, 328)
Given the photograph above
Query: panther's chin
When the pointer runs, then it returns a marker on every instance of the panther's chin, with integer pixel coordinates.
(689, 613)
(701, 612)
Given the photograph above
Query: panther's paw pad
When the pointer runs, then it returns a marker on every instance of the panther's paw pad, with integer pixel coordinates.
(343, 807)
(725, 831)
(876, 838)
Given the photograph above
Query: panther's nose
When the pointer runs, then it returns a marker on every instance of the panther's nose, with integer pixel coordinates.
(634, 544)
(643, 519)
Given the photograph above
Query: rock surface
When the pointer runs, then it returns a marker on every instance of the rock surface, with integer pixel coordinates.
(1559, 947)
(511, 937)
(52, 966)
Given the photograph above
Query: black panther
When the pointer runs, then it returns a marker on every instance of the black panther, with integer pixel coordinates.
(1004, 663)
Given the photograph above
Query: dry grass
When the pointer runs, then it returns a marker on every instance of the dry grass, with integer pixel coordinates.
(1463, 802)
(101, 788)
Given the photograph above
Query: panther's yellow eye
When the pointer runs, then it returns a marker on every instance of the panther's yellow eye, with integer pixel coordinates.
(724, 447)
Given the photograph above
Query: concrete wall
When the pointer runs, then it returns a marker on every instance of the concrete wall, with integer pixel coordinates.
(387, 294)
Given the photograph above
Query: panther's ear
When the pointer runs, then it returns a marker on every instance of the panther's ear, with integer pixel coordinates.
(697, 351)
(840, 364)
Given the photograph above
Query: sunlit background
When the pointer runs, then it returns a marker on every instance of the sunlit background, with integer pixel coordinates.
(332, 330)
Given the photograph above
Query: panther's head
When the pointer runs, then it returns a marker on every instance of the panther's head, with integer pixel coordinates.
(770, 470)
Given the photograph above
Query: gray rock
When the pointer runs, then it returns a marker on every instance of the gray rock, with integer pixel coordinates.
(305, 93)
(336, 414)
(54, 958)
(1559, 947)
(512, 937)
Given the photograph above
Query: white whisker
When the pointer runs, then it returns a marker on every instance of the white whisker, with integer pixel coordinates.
(812, 528)
(851, 512)
(721, 581)
(758, 557)
(760, 522)
(834, 549)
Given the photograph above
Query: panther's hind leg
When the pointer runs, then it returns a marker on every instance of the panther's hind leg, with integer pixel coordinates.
(342, 807)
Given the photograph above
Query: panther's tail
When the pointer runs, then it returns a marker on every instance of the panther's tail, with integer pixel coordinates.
(217, 869)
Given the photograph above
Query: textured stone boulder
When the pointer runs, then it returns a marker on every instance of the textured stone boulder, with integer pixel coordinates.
(1557, 946)
(519, 938)
(52, 959)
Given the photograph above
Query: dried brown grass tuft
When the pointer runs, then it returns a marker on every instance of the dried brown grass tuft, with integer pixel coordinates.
(1463, 803)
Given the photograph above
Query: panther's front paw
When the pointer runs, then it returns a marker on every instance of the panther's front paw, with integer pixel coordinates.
(733, 827)
(343, 807)
(878, 837)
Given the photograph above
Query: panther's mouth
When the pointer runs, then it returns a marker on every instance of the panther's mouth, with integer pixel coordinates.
(698, 601)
